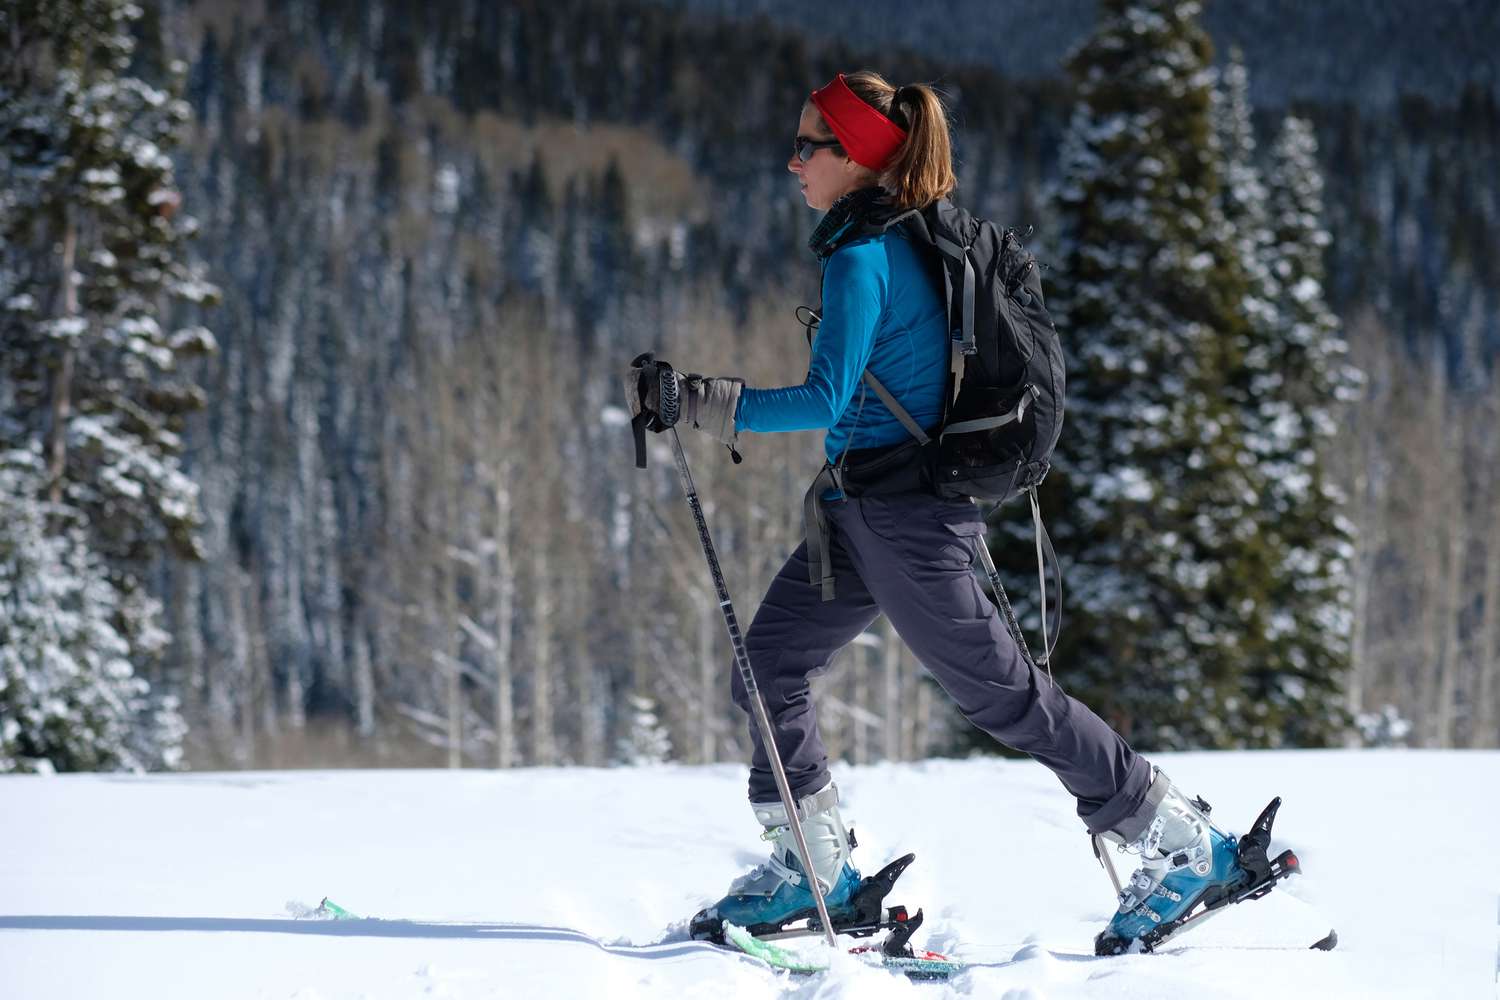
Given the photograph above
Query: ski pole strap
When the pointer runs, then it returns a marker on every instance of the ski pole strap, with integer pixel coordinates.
(638, 428)
(815, 525)
(645, 369)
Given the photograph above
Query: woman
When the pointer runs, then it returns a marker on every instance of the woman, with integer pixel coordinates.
(864, 151)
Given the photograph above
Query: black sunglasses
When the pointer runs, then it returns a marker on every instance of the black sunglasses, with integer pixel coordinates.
(805, 146)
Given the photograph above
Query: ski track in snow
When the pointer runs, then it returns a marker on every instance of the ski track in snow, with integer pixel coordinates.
(579, 882)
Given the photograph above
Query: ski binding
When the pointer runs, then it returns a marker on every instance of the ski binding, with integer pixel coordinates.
(865, 915)
(1261, 875)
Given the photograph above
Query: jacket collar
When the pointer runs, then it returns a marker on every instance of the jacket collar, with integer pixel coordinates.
(862, 212)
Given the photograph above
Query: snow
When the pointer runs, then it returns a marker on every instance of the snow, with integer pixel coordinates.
(577, 882)
(67, 328)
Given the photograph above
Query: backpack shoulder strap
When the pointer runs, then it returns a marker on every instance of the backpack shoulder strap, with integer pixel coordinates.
(912, 427)
(950, 230)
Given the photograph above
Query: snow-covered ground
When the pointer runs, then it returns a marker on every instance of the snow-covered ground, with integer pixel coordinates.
(577, 883)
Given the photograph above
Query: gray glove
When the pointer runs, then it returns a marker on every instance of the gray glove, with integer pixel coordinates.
(708, 404)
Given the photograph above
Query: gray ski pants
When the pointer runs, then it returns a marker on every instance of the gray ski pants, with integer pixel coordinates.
(910, 556)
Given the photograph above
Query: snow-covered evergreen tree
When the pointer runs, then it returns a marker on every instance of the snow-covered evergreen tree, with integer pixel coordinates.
(1299, 376)
(1243, 191)
(1155, 503)
(647, 740)
(69, 698)
(91, 256)
(94, 252)
(1291, 375)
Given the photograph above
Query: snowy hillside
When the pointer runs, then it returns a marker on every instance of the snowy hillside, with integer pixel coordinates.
(577, 883)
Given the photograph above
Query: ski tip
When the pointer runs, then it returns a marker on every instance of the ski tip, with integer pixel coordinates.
(1328, 943)
(329, 910)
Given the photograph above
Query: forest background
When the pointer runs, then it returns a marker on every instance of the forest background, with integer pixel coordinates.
(327, 467)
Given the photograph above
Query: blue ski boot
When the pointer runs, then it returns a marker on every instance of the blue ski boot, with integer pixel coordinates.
(1185, 861)
(775, 894)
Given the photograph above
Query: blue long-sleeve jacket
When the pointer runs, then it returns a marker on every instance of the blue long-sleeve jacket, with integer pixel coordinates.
(881, 310)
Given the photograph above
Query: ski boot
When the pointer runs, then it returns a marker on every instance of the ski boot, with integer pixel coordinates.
(775, 894)
(1189, 869)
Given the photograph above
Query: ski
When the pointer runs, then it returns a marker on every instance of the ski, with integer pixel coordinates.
(921, 966)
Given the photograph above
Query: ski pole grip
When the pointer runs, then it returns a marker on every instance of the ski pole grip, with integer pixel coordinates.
(669, 409)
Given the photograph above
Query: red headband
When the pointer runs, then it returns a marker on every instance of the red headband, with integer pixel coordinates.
(869, 137)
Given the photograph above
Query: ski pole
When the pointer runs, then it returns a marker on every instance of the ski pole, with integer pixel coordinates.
(752, 690)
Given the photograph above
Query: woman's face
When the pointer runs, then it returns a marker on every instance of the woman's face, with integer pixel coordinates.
(828, 174)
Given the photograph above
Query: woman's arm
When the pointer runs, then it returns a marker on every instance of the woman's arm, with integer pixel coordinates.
(855, 285)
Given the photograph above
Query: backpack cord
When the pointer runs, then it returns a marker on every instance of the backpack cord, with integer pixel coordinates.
(1040, 533)
(1043, 544)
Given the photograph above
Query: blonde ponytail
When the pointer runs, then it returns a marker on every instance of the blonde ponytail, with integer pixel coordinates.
(921, 172)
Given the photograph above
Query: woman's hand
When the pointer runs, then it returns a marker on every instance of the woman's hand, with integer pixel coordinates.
(667, 397)
(709, 404)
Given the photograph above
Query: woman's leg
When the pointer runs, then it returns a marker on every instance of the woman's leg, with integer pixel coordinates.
(796, 632)
(916, 554)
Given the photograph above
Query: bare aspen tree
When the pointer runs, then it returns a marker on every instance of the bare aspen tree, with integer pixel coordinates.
(364, 681)
(911, 704)
(263, 682)
(1365, 479)
(544, 603)
(925, 709)
(690, 587)
(236, 698)
(595, 704)
(1487, 639)
(1425, 675)
(500, 406)
(711, 690)
(442, 543)
(860, 749)
(1485, 730)
(1450, 600)
(890, 702)
(504, 589)
(638, 612)
(588, 738)
(833, 710)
